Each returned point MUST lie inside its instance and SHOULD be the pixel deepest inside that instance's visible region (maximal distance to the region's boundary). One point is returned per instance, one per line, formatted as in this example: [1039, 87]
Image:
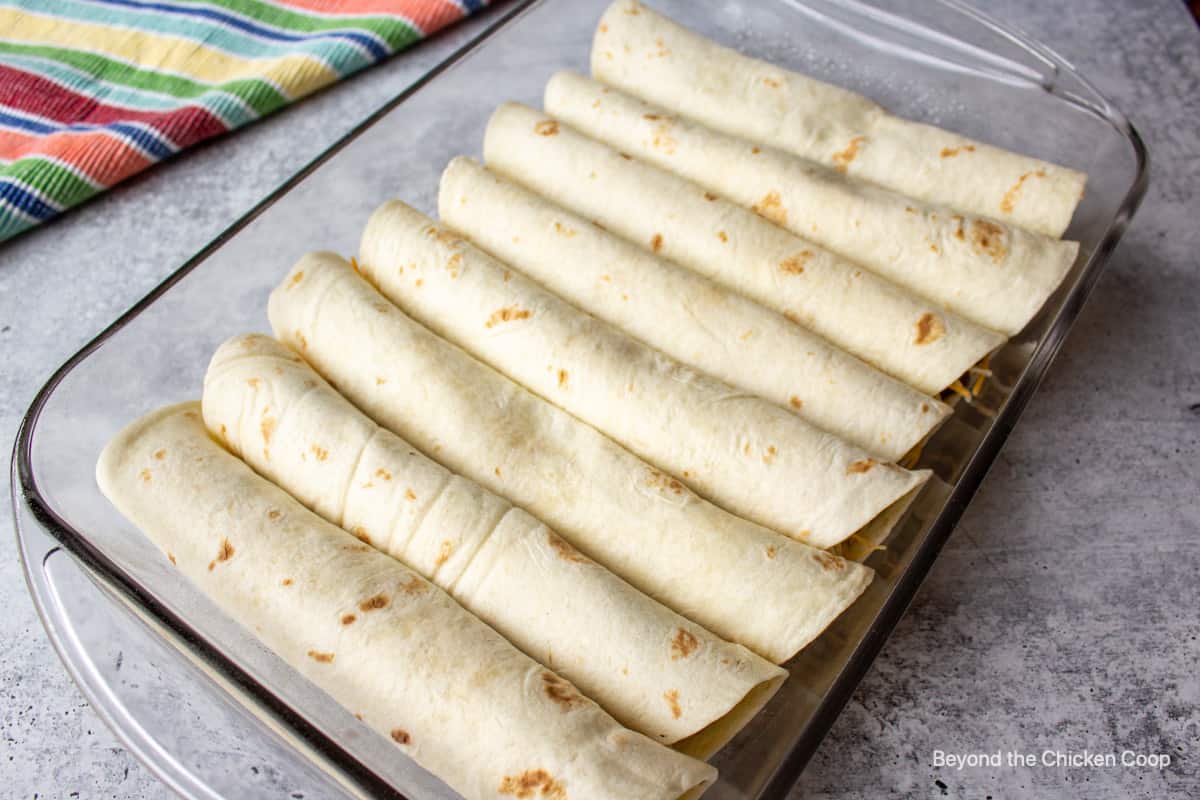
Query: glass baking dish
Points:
[214, 713]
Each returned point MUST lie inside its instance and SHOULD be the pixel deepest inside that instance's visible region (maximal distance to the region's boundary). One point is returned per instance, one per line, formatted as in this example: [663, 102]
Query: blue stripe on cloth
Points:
[15, 193]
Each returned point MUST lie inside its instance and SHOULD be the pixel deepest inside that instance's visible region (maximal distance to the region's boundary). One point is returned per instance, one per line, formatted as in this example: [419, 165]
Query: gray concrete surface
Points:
[1062, 616]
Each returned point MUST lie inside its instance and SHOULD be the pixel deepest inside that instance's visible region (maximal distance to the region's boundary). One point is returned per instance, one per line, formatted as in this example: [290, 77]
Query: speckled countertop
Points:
[1063, 615]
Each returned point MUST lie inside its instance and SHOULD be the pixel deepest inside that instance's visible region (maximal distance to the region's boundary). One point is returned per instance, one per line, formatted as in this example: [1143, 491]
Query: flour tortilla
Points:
[992, 273]
[885, 325]
[446, 688]
[685, 315]
[653, 670]
[745, 454]
[646, 54]
[737, 579]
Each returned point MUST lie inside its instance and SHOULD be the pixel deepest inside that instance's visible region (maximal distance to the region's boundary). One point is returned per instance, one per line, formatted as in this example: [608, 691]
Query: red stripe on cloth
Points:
[34, 94]
[100, 157]
[428, 15]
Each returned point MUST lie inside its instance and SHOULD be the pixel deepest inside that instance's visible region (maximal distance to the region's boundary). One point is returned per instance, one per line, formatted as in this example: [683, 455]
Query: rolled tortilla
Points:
[994, 274]
[739, 580]
[740, 451]
[907, 337]
[685, 315]
[646, 54]
[653, 670]
[447, 689]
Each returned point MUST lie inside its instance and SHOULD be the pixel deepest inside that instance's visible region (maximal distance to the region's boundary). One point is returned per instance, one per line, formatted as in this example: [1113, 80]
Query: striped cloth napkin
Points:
[93, 91]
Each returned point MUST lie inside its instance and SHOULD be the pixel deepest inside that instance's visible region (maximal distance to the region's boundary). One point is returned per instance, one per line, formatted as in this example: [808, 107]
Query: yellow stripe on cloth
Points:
[294, 75]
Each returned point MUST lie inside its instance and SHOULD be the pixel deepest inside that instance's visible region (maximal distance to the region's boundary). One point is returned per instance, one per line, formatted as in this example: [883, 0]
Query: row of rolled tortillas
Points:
[743, 582]
[646, 54]
[655, 671]
[906, 336]
[685, 315]
[418, 668]
[990, 272]
[742, 452]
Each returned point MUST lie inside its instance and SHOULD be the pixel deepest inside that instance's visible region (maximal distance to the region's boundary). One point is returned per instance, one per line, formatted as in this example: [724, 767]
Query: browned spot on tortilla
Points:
[772, 551]
[659, 480]
[303, 342]
[224, 431]
[930, 328]
[361, 534]
[453, 265]
[546, 127]
[842, 160]
[409, 494]
[320, 452]
[656, 242]
[274, 514]
[564, 230]
[507, 275]
[419, 282]
[286, 582]
[564, 550]
[709, 196]
[159, 455]
[795, 402]
[400, 736]
[380, 381]
[756, 150]
[358, 716]
[507, 314]
[653, 117]
[267, 426]
[562, 378]
[951, 152]
[771, 207]
[145, 475]
[324, 658]
[537, 782]
[374, 603]
[663, 140]
[1009, 201]
[672, 698]
[829, 561]
[348, 619]
[626, 156]
[414, 585]
[560, 691]
[769, 455]
[910, 209]
[774, 84]
[299, 276]
[723, 236]
[604, 27]
[935, 248]
[794, 265]
[224, 553]
[354, 265]
[171, 557]
[632, 9]
[383, 474]
[497, 471]
[861, 466]
[988, 239]
[683, 644]
[444, 552]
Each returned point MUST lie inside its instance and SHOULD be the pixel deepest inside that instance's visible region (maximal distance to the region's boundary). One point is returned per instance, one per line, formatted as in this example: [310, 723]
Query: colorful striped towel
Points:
[93, 91]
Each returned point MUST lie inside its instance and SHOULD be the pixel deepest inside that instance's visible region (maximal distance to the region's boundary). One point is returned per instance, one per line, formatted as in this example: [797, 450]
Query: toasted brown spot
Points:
[659, 480]
[145, 475]
[842, 160]
[409, 494]
[829, 561]
[497, 471]
[444, 552]
[400, 736]
[224, 553]
[772, 551]
[507, 314]
[988, 239]
[224, 431]
[358, 716]
[320, 452]
[795, 402]
[562, 378]
[755, 150]
[924, 408]
[299, 276]
[930, 328]
[683, 644]
[626, 156]
[564, 550]
[860, 466]
[254, 382]
[159, 455]
[383, 474]
[560, 691]
[419, 282]
[453, 265]
[380, 381]
[286, 582]
[656, 242]
[274, 514]
[301, 340]
[374, 603]
[361, 534]
[935, 248]
[564, 230]
[774, 84]
[710, 197]
[546, 127]
[604, 27]
[723, 236]
[354, 265]
[507, 275]
[324, 658]
[951, 152]
[171, 557]
[910, 209]
[672, 698]
[268, 427]
[794, 265]
[1009, 201]
[537, 782]
[348, 619]
[769, 455]
[663, 140]
[414, 585]
[771, 207]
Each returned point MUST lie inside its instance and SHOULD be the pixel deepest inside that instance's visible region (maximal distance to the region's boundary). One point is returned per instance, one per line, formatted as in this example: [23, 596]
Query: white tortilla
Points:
[739, 580]
[387, 645]
[686, 316]
[652, 669]
[745, 454]
[992, 273]
[885, 325]
[646, 54]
